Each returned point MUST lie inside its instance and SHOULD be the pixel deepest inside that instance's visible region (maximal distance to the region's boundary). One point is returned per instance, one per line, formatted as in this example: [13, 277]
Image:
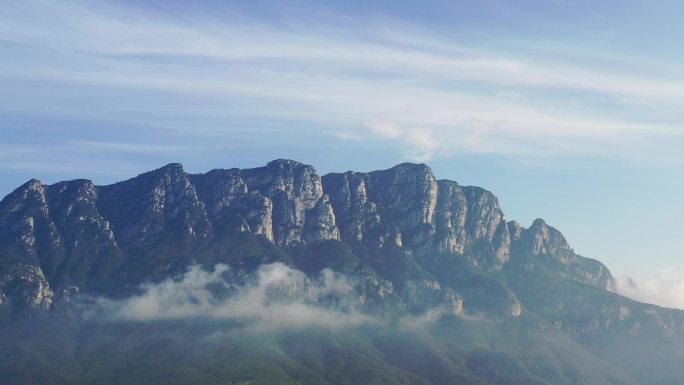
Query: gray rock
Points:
[78, 235]
[26, 286]
[544, 241]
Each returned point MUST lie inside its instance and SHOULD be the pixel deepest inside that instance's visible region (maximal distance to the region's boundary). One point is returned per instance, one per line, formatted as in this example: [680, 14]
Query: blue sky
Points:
[567, 110]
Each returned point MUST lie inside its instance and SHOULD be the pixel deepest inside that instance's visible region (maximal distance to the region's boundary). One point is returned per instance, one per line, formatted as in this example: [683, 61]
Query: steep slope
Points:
[498, 297]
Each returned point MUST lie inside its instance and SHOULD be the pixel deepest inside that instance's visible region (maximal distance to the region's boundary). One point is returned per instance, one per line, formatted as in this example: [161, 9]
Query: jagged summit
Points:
[285, 163]
[407, 243]
[159, 221]
[404, 205]
[168, 169]
[538, 222]
[410, 167]
[31, 184]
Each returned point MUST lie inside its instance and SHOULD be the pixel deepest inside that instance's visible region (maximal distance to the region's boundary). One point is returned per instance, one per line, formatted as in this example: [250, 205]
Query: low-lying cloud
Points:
[665, 287]
[276, 296]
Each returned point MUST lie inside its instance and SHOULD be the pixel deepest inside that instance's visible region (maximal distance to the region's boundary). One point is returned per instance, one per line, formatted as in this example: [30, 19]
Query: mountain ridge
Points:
[411, 245]
[286, 202]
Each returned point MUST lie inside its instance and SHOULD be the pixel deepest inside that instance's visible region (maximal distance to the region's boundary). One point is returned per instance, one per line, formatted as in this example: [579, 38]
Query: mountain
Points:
[439, 287]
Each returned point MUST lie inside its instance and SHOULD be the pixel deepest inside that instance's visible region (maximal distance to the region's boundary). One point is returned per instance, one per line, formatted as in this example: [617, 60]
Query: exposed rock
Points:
[356, 217]
[226, 196]
[26, 286]
[514, 309]
[543, 240]
[26, 230]
[453, 302]
[157, 223]
[153, 207]
[294, 189]
[405, 242]
[320, 222]
[409, 207]
[219, 189]
[258, 213]
[406, 197]
[515, 230]
[86, 236]
[450, 222]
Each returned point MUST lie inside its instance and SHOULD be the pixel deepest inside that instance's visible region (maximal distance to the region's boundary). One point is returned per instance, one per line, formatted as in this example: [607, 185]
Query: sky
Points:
[566, 110]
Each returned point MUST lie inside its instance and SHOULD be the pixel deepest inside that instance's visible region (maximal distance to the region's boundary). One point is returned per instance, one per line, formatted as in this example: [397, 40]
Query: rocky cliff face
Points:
[406, 206]
[155, 206]
[457, 289]
[74, 237]
[544, 241]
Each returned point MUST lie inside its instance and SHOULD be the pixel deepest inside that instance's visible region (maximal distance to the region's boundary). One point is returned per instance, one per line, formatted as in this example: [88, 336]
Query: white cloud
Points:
[665, 287]
[419, 140]
[422, 321]
[422, 139]
[127, 147]
[276, 297]
[385, 129]
[434, 96]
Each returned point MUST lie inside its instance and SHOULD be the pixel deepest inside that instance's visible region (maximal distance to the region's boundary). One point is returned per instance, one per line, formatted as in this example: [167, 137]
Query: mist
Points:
[275, 296]
[665, 287]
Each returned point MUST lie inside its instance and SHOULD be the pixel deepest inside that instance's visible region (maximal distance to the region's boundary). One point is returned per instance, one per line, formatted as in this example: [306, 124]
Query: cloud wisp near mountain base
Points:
[277, 274]
[370, 268]
[274, 297]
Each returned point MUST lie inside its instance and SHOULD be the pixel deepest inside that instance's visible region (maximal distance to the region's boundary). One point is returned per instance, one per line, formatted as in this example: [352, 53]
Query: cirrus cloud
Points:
[428, 94]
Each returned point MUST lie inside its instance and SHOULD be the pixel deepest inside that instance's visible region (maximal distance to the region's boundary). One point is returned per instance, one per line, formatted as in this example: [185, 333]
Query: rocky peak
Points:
[294, 189]
[289, 178]
[479, 220]
[25, 286]
[484, 213]
[282, 201]
[452, 210]
[170, 169]
[406, 200]
[78, 233]
[409, 188]
[153, 205]
[25, 224]
[86, 236]
[355, 215]
[227, 198]
[546, 240]
[219, 188]
[320, 222]
[29, 195]
[69, 197]
[409, 207]
[515, 230]
[547, 244]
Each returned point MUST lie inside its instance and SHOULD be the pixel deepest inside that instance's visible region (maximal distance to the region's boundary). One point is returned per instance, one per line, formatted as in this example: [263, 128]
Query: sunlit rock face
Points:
[153, 206]
[297, 195]
[282, 201]
[26, 287]
[544, 241]
[406, 206]
[396, 250]
[74, 237]
[227, 196]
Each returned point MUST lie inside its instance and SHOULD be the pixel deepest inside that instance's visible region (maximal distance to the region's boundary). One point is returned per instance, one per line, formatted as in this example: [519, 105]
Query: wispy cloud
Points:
[664, 287]
[128, 147]
[420, 140]
[276, 297]
[430, 95]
